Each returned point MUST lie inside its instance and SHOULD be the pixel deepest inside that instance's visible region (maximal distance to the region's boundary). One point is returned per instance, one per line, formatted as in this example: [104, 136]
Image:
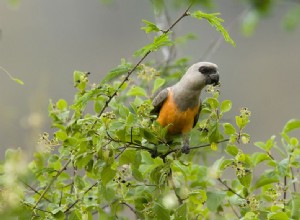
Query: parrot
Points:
[179, 105]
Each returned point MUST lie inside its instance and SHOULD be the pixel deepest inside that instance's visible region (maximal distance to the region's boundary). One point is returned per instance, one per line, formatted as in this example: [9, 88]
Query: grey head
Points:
[187, 90]
[199, 75]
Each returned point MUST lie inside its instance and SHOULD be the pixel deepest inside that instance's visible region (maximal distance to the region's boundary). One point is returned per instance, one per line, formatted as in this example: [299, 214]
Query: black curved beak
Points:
[212, 79]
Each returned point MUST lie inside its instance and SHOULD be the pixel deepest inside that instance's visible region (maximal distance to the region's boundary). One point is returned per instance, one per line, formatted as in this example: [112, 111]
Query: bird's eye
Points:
[205, 70]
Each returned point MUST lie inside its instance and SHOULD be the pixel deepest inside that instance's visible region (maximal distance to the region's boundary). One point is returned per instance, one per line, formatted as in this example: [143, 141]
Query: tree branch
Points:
[51, 182]
[77, 200]
[137, 64]
[229, 188]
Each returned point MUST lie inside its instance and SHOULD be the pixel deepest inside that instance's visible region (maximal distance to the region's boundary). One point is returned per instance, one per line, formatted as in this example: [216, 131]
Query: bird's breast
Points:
[179, 121]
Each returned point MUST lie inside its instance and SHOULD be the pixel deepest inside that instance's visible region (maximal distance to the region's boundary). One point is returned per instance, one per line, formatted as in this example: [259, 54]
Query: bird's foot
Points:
[185, 149]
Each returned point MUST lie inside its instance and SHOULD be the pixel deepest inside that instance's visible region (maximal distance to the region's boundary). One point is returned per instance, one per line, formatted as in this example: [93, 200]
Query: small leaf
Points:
[127, 157]
[61, 104]
[149, 27]
[161, 212]
[215, 22]
[250, 21]
[259, 157]
[296, 206]
[226, 106]
[107, 174]
[158, 42]
[266, 178]
[213, 102]
[232, 150]
[159, 82]
[10, 76]
[229, 129]
[292, 18]
[18, 81]
[214, 146]
[123, 68]
[241, 121]
[137, 91]
[61, 135]
[214, 200]
[181, 212]
[291, 125]
[79, 183]
[278, 216]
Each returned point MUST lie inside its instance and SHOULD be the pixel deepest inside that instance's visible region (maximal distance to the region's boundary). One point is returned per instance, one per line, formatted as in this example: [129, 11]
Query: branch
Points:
[136, 146]
[163, 156]
[137, 64]
[77, 200]
[206, 145]
[229, 188]
[34, 190]
[215, 44]
[51, 182]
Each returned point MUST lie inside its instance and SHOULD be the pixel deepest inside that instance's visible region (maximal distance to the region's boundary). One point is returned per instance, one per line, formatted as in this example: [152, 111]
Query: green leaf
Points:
[226, 106]
[241, 121]
[292, 18]
[266, 146]
[149, 27]
[213, 102]
[291, 125]
[259, 157]
[266, 178]
[137, 91]
[229, 129]
[158, 82]
[161, 212]
[158, 42]
[215, 22]
[278, 216]
[181, 212]
[232, 150]
[61, 104]
[107, 174]
[296, 206]
[9, 75]
[250, 21]
[61, 135]
[214, 200]
[79, 183]
[121, 69]
[246, 179]
[127, 157]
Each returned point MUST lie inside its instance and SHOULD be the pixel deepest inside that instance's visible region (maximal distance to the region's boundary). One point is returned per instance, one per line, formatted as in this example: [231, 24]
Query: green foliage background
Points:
[108, 154]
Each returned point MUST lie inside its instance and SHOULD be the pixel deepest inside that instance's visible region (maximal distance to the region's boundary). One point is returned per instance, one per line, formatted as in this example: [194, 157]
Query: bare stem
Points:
[51, 182]
[77, 200]
[229, 188]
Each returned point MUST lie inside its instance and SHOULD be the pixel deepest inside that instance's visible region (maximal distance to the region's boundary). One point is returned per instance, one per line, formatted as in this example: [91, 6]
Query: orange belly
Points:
[179, 122]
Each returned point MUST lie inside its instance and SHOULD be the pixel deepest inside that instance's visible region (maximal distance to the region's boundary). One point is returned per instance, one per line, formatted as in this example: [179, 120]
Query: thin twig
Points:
[42, 210]
[136, 146]
[186, 13]
[51, 182]
[293, 178]
[229, 188]
[34, 190]
[132, 209]
[136, 66]
[215, 44]
[191, 148]
[206, 145]
[77, 200]
[234, 211]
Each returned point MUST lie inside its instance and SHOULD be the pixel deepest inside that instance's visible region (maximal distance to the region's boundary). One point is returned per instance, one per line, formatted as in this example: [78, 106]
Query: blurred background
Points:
[43, 42]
